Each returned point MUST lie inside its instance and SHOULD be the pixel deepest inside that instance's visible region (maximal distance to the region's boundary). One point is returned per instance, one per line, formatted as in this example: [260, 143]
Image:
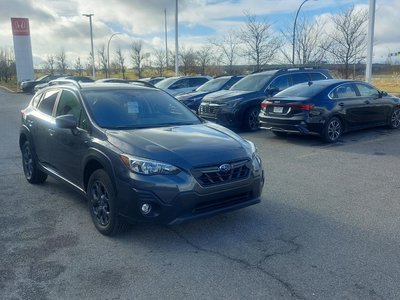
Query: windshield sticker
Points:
[133, 108]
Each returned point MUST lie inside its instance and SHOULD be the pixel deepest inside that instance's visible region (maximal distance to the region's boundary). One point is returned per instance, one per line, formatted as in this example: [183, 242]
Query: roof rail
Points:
[65, 81]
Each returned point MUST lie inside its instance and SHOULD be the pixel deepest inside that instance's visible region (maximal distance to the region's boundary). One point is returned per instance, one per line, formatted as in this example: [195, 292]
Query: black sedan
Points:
[137, 153]
[329, 108]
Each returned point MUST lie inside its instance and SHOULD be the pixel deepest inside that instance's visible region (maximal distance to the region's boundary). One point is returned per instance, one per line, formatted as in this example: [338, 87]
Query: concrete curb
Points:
[7, 89]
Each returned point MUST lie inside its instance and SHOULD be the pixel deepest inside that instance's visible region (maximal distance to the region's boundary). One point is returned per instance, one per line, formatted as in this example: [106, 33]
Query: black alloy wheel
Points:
[395, 118]
[102, 204]
[333, 130]
[32, 173]
[251, 120]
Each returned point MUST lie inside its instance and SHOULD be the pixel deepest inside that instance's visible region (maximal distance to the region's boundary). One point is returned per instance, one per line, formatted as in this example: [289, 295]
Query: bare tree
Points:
[204, 58]
[101, 52]
[7, 65]
[348, 40]
[228, 45]
[49, 64]
[121, 62]
[79, 66]
[188, 58]
[160, 61]
[137, 57]
[310, 42]
[62, 62]
[259, 41]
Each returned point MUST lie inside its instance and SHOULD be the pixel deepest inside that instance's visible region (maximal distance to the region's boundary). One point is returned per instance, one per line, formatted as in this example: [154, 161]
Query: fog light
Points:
[146, 208]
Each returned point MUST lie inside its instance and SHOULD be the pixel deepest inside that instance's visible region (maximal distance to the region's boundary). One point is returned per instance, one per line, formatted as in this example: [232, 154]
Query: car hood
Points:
[191, 95]
[226, 96]
[183, 146]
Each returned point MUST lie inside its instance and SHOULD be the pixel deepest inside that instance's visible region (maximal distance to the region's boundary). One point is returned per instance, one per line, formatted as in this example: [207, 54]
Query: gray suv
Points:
[137, 154]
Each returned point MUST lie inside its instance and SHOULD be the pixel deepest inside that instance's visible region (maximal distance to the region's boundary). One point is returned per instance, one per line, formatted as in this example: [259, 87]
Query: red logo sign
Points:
[20, 26]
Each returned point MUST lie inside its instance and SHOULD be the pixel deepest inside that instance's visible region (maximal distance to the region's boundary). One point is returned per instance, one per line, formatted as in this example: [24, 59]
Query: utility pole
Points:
[91, 41]
[166, 38]
[176, 40]
[371, 25]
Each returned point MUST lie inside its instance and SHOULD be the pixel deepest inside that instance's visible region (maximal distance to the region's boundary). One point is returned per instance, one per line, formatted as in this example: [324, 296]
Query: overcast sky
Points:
[59, 24]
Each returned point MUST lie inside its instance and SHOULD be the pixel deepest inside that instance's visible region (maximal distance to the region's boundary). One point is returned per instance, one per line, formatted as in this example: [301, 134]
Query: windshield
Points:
[136, 108]
[251, 83]
[213, 85]
[164, 84]
[302, 90]
[41, 78]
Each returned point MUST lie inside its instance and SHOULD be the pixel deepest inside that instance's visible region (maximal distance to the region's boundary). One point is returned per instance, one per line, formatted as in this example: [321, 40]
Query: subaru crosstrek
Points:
[137, 153]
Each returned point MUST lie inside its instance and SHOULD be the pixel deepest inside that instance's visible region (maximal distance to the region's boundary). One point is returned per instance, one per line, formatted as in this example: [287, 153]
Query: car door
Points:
[378, 107]
[70, 145]
[349, 104]
[43, 124]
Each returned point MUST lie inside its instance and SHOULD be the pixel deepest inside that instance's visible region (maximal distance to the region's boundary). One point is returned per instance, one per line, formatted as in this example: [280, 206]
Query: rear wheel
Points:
[251, 121]
[395, 118]
[333, 130]
[29, 163]
[102, 203]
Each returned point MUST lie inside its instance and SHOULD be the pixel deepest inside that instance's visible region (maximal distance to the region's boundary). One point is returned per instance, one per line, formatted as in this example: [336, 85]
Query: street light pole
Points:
[166, 38]
[108, 52]
[176, 40]
[371, 25]
[91, 41]
[294, 30]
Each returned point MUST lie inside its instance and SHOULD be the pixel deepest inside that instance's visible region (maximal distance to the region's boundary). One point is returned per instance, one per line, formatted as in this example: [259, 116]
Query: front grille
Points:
[213, 175]
[221, 203]
[209, 109]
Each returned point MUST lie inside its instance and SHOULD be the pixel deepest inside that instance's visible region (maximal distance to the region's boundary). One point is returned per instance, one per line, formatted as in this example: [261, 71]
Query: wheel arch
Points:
[97, 160]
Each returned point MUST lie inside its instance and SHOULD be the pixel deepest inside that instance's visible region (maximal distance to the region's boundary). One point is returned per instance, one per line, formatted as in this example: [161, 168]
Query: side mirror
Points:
[382, 94]
[271, 91]
[66, 121]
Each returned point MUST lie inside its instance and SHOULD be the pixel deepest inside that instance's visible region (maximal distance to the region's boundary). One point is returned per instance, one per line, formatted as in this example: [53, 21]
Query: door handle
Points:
[367, 102]
[341, 104]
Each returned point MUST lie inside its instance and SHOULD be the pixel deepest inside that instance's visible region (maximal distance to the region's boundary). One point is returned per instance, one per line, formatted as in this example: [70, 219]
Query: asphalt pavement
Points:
[328, 227]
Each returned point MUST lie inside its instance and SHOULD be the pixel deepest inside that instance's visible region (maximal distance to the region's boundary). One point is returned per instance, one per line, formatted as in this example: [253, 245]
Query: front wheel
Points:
[102, 204]
[333, 130]
[251, 121]
[31, 171]
[395, 118]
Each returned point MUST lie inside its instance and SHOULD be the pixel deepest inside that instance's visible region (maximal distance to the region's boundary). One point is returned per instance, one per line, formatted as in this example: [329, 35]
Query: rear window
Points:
[302, 90]
[134, 108]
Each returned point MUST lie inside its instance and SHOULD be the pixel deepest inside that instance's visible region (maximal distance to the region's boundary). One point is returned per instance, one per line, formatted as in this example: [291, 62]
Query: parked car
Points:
[137, 153]
[62, 80]
[29, 85]
[183, 84]
[240, 105]
[193, 99]
[329, 108]
[152, 80]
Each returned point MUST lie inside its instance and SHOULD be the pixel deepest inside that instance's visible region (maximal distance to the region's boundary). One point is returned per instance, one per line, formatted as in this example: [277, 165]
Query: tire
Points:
[102, 204]
[395, 118]
[251, 121]
[279, 133]
[333, 130]
[32, 173]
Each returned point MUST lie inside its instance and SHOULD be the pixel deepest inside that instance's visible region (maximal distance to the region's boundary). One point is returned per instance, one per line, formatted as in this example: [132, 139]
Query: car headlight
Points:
[148, 167]
[255, 157]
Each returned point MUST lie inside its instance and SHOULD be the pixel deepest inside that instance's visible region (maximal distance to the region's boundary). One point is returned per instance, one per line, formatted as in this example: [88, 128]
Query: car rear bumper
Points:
[302, 126]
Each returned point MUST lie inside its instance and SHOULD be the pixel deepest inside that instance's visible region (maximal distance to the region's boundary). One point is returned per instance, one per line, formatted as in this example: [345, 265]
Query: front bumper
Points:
[172, 202]
[221, 114]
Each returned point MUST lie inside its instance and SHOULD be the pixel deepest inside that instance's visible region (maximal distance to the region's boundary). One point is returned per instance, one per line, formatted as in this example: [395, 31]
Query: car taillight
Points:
[265, 104]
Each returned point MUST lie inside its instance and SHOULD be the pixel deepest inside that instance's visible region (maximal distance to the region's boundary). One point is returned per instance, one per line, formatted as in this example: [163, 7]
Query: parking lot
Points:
[328, 227]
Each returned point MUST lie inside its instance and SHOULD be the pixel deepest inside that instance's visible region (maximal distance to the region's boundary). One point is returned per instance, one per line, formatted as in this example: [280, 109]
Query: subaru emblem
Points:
[225, 168]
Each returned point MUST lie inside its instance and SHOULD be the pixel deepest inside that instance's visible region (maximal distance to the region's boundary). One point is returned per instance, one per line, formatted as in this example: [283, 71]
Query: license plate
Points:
[278, 109]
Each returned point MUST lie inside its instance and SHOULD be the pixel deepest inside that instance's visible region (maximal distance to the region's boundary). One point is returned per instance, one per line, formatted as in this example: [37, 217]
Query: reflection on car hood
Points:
[225, 96]
[191, 95]
[184, 146]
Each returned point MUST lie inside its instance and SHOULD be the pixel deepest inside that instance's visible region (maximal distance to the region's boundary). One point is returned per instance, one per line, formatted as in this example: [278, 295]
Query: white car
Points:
[182, 84]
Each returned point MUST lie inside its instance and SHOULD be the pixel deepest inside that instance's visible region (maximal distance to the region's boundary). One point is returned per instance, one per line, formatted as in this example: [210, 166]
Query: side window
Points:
[68, 105]
[197, 81]
[47, 103]
[36, 100]
[300, 78]
[231, 82]
[180, 84]
[343, 91]
[279, 84]
[317, 76]
[367, 91]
